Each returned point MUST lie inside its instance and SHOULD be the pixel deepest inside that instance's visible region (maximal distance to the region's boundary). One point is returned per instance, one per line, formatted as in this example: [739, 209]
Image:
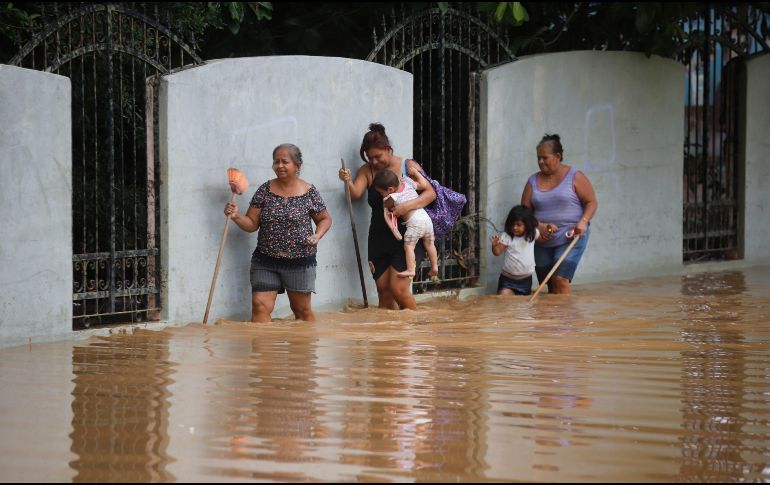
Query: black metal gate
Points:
[722, 37]
[112, 54]
[445, 50]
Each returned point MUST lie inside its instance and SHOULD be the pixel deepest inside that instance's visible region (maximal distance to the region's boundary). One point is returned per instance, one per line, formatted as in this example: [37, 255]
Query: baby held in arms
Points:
[418, 223]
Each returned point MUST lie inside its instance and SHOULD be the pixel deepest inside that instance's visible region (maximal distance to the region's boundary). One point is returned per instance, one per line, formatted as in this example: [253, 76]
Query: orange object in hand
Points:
[238, 182]
[238, 185]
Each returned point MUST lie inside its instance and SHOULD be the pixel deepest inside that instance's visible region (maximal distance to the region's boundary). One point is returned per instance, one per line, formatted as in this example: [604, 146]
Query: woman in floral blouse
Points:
[285, 257]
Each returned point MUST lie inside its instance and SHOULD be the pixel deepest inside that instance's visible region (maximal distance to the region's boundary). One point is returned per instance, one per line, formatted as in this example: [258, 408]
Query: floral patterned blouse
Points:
[285, 222]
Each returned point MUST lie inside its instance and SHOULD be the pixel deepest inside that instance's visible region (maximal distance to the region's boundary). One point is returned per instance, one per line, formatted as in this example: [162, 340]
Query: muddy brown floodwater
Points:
[656, 379]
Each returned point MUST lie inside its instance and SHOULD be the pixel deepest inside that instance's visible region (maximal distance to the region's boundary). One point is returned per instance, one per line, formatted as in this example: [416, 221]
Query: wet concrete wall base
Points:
[233, 113]
[35, 206]
[620, 119]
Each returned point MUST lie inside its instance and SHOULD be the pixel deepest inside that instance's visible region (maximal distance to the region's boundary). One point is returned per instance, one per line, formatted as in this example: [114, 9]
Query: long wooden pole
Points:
[355, 240]
[555, 266]
[219, 260]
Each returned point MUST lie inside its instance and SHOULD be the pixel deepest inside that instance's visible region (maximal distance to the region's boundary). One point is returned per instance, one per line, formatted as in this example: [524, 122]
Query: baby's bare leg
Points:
[432, 256]
[410, 266]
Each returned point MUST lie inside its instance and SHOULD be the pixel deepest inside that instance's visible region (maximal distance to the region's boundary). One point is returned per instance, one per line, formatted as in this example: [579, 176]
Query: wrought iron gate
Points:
[722, 37]
[445, 51]
[112, 54]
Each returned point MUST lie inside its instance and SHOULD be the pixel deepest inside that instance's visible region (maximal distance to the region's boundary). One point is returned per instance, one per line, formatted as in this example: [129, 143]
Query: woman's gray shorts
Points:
[268, 275]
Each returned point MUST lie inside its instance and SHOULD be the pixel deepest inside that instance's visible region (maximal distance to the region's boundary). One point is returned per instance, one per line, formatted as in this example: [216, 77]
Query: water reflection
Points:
[120, 409]
[272, 410]
[660, 379]
[414, 409]
[715, 410]
[284, 395]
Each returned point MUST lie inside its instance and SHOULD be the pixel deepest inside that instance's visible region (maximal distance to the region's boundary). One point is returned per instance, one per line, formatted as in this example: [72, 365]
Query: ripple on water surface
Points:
[660, 379]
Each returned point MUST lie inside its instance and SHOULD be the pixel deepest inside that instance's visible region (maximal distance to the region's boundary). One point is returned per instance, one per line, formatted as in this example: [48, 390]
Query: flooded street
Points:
[656, 379]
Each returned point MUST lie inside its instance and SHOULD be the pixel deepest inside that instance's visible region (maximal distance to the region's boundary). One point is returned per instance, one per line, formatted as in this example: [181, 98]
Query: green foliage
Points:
[262, 10]
[512, 13]
[650, 27]
[505, 13]
[14, 20]
[199, 17]
[344, 29]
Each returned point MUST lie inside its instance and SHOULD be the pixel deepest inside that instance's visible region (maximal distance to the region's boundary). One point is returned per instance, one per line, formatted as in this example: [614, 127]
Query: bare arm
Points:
[249, 222]
[585, 192]
[421, 182]
[498, 247]
[423, 200]
[526, 196]
[358, 185]
[546, 229]
[323, 221]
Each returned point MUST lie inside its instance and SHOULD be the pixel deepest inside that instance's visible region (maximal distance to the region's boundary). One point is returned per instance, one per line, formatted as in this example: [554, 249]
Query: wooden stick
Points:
[219, 260]
[355, 240]
[555, 266]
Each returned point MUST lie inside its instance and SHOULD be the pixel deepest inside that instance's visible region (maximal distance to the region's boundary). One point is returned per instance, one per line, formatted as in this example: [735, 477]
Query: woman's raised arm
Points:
[360, 184]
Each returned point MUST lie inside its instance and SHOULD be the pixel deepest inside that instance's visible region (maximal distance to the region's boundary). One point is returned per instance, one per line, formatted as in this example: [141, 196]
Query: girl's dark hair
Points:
[523, 214]
[374, 138]
[384, 179]
[555, 142]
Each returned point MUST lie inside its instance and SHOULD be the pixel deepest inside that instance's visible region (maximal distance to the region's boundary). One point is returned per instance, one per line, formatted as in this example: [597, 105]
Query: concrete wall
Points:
[756, 151]
[35, 206]
[620, 118]
[233, 113]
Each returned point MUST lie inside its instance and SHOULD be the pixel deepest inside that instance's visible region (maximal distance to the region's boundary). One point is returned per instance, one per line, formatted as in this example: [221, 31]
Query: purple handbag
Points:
[446, 209]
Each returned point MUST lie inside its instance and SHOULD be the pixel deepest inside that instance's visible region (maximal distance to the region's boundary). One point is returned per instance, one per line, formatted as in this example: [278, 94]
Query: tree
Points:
[344, 29]
[659, 28]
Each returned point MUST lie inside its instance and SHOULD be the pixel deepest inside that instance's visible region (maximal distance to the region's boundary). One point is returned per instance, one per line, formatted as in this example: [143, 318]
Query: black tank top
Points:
[381, 240]
[378, 228]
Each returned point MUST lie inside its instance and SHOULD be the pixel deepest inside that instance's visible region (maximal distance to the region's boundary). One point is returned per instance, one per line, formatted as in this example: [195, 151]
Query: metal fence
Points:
[445, 50]
[112, 54]
[721, 39]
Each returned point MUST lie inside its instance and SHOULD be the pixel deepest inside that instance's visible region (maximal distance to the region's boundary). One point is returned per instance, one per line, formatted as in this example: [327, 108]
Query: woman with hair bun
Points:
[385, 252]
[564, 203]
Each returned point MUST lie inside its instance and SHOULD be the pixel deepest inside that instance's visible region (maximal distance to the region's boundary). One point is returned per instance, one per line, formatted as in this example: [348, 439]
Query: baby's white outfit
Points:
[418, 226]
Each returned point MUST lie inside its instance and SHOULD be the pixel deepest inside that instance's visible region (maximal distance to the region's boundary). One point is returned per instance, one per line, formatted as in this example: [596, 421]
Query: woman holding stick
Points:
[564, 202]
[385, 252]
[283, 209]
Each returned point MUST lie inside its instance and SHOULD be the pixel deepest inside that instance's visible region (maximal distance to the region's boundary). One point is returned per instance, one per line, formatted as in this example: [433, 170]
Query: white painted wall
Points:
[620, 118]
[757, 160]
[233, 113]
[35, 207]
